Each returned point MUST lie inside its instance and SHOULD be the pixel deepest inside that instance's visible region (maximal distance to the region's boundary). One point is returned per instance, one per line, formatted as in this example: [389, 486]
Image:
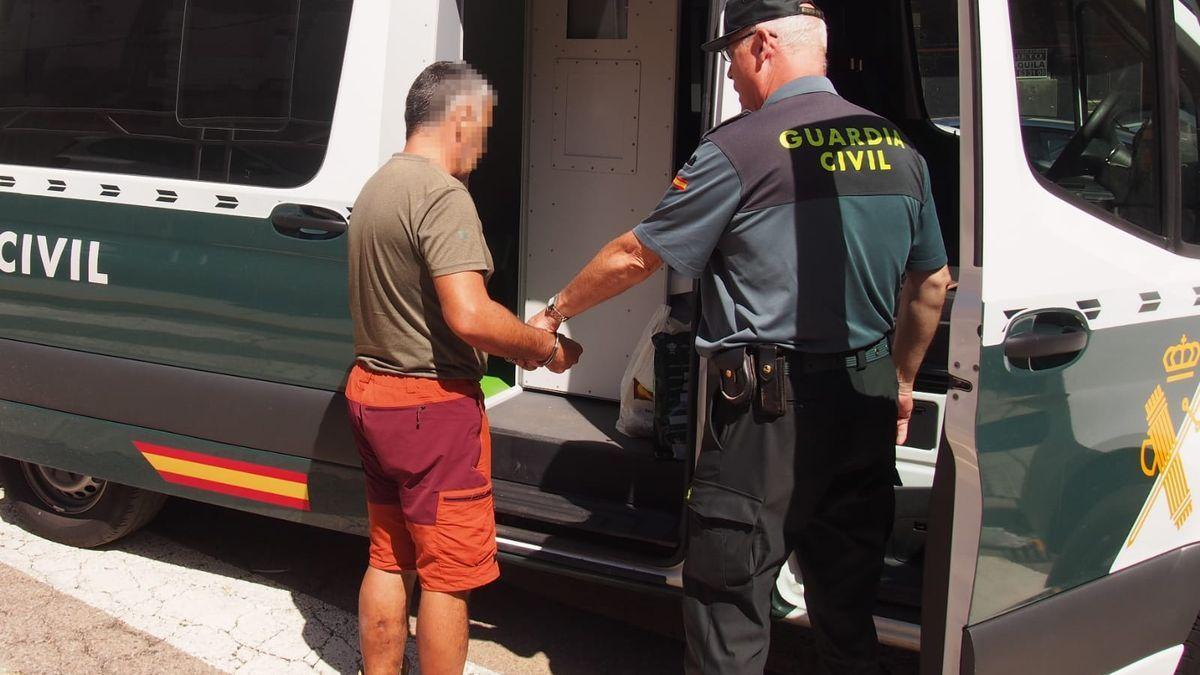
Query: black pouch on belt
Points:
[735, 376]
[770, 398]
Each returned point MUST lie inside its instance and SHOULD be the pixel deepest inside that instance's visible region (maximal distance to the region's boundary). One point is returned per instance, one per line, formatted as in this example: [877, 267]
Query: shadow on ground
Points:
[530, 622]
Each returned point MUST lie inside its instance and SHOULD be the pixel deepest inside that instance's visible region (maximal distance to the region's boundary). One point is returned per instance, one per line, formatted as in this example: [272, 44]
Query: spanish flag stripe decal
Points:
[235, 465]
[234, 491]
[227, 476]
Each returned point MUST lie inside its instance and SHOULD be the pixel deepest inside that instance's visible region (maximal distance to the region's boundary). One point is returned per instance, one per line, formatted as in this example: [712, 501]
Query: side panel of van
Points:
[171, 256]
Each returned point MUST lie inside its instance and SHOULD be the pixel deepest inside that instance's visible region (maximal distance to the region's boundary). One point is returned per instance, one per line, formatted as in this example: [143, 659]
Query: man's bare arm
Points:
[622, 264]
[485, 324]
[921, 300]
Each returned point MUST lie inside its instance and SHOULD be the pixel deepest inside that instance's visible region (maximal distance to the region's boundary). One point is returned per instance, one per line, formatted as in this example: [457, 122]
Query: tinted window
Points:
[935, 26]
[238, 60]
[597, 19]
[1086, 86]
[95, 85]
[1188, 34]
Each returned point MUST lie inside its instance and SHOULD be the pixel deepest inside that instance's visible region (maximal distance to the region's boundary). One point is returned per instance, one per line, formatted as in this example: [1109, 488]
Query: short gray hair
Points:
[800, 33]
[439, 89]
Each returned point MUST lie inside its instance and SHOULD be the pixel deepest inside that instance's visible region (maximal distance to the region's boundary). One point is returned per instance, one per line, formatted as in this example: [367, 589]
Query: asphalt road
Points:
[244, 593]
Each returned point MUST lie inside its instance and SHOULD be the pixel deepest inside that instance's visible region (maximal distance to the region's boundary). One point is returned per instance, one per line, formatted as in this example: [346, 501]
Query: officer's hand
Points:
[568, 355]
[904, 410]
[545, 322]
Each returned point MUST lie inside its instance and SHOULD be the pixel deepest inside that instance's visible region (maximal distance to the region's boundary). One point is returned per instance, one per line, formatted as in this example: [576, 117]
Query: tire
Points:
[1190, 663]
[72, 509]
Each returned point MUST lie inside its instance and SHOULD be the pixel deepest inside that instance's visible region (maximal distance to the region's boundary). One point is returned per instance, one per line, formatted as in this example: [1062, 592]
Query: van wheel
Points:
[74, 509]
[1190, 663]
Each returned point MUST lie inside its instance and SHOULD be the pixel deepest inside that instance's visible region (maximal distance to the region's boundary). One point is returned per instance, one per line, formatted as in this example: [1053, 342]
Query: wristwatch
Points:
[552, 311]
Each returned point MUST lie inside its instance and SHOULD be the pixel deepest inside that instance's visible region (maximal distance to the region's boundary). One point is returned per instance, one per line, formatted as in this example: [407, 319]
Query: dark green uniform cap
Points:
[742, 15]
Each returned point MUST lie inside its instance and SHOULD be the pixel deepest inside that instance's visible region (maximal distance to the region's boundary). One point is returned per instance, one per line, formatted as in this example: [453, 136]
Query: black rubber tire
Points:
[1190, 663]
[120, 511]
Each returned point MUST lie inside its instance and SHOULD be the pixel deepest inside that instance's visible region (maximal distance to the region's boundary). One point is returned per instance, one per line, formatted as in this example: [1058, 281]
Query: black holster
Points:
[734, 371]
[770, 400]
[753, 376]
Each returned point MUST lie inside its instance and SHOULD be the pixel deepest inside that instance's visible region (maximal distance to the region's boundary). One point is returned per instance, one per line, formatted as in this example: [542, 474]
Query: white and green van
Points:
[176, 178]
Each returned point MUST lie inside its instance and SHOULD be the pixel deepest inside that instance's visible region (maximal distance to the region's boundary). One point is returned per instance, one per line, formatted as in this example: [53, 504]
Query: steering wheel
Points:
[1101, 120]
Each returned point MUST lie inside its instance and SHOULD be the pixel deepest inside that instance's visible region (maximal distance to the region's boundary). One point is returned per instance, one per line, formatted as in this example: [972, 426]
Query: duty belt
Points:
[804, 362]
[759, 373]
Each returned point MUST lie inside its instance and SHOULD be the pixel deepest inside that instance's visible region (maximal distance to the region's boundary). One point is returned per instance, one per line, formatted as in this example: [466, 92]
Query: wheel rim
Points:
[63, 491]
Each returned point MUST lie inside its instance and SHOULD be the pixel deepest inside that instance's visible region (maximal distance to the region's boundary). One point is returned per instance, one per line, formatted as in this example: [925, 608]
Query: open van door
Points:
[1070, 542]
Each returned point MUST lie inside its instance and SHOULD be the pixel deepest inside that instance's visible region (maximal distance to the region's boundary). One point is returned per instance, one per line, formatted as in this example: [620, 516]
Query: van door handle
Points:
[312, 223]
[1045, 339]
[1032, 346]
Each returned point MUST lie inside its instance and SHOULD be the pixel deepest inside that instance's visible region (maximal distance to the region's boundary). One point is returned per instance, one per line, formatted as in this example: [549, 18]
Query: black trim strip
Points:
[977, 131]
[1171, 166]
[282, 418]
[1088, 629]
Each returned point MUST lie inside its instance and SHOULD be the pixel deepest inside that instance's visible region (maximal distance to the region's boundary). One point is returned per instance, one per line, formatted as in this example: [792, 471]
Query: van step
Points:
[615, 520]
[570, 446]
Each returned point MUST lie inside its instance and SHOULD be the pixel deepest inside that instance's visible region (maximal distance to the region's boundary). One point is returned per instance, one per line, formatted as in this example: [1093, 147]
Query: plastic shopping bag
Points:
[637, 385]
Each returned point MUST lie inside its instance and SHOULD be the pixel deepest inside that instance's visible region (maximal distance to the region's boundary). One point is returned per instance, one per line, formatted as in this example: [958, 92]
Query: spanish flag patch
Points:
[680, 183]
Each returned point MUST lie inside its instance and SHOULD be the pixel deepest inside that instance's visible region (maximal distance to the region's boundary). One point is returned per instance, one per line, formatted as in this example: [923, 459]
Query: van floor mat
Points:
[620, 521]
[570, 446]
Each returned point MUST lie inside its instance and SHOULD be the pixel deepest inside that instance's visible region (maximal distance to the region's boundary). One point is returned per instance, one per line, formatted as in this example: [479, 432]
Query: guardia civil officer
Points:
[806, 220]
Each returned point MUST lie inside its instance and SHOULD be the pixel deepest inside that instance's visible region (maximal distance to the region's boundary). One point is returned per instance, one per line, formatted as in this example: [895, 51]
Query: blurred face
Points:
[466, 134]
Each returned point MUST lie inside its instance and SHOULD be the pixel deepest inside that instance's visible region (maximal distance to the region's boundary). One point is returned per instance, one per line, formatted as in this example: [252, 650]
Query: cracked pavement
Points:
[205, 589]
[85, 639]
[222, 617]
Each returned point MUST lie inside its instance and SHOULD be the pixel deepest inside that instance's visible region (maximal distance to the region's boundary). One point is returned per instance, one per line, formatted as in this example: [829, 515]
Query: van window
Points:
[1188, 36]
[94, 85]
[597, 19]
[935, 28]
[236, 64]
[1086, 87]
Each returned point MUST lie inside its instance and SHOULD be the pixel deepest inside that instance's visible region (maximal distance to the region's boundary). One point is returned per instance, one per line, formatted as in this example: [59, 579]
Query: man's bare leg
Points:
[383, 619]
[442, 632]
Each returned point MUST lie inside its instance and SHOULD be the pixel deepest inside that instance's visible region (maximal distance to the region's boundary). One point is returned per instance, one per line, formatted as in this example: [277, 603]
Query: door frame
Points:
[956, 505]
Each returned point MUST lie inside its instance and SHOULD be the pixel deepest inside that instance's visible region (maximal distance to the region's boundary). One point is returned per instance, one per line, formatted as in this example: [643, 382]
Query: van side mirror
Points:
[236, 65]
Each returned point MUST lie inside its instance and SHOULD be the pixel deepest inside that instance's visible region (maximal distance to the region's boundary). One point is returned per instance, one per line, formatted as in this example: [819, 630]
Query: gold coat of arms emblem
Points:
[1160, 454]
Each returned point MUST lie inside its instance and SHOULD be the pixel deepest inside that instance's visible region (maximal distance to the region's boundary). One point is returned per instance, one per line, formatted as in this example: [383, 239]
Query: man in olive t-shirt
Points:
[413, 222]
[423, 324]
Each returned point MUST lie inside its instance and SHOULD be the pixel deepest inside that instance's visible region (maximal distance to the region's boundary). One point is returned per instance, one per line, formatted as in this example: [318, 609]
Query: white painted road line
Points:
[236, 621]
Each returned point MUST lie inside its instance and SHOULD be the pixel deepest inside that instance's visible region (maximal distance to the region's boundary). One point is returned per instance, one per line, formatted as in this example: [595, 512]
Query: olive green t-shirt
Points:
[412, 222]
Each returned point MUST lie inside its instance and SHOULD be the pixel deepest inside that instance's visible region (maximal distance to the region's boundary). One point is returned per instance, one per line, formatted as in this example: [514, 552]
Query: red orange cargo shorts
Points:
[427, 455]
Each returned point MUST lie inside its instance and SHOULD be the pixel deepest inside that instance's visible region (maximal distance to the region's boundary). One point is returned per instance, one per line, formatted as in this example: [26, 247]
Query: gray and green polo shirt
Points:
[799, 219]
